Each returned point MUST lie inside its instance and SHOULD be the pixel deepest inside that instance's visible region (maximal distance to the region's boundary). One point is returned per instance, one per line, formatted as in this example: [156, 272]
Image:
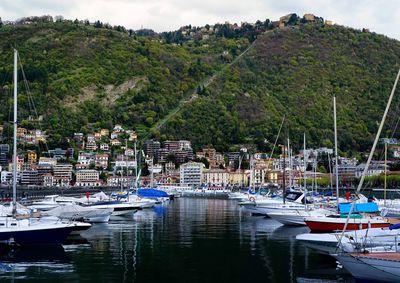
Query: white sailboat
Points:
[373, 266]
[29, 231]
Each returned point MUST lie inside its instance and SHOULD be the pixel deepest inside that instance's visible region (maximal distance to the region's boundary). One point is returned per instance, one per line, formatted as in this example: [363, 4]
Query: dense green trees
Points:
[83, 77]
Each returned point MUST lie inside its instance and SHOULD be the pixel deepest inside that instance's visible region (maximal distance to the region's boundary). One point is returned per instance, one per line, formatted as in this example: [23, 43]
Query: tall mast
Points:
[284, 173]
[14, 199]
[151, 174]
[305, 167]
[336, 154]
[290, 162]
[371, 152]
[384, 190]
[136, 167]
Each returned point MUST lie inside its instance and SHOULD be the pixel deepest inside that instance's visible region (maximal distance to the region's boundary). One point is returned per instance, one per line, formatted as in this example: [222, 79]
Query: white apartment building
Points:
[191, 173]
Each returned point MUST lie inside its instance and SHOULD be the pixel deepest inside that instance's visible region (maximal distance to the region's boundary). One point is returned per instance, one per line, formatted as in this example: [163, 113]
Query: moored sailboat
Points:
[29, 231]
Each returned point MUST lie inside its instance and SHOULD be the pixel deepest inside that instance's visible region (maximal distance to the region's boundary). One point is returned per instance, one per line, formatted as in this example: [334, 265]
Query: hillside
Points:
[214, 90]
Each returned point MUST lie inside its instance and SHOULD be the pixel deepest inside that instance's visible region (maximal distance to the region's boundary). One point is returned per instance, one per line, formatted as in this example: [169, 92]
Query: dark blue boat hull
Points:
[38, 237]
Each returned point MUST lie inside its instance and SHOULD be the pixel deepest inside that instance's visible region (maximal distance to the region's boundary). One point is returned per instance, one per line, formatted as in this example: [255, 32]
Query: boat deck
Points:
[394, 256]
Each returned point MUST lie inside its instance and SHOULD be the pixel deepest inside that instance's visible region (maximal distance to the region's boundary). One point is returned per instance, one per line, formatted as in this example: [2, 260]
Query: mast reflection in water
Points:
[188, 240]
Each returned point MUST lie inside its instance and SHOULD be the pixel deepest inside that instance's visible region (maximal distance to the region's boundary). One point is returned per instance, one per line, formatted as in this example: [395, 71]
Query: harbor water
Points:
[187, 240]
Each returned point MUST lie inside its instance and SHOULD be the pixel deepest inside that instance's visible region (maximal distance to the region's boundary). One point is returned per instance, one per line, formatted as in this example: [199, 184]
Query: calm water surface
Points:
[188, 240]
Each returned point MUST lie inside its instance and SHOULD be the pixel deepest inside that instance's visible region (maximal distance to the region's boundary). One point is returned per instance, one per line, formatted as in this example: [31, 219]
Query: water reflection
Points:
[189, 240]
[37, 263]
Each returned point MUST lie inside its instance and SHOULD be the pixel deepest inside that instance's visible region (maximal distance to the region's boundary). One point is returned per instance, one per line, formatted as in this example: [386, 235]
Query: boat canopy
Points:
[151, 193]
[368, 207]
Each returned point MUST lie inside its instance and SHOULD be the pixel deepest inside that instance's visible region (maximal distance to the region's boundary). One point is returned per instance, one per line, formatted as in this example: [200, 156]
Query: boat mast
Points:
[136, 167]
[290, 162]
[14, 199]
[384, 188]
[305, 168]
[284, 173]
[336, 154]
[371, 154]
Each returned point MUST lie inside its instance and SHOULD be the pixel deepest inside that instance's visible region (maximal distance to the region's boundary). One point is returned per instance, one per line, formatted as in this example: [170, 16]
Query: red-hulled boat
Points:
[323, 224]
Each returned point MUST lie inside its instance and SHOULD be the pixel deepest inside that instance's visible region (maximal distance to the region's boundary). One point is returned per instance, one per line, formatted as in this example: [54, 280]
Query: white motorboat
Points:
[328, 242]
[49, 202]
[372, 266]
[119, 208]
[80, 213]
[296, 217]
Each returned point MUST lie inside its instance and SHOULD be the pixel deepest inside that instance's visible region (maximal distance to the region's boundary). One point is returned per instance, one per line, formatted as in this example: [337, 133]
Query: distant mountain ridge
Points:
[222, 85]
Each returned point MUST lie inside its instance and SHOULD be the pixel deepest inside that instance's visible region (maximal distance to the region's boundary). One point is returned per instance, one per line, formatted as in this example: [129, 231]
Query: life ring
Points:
[252, 199]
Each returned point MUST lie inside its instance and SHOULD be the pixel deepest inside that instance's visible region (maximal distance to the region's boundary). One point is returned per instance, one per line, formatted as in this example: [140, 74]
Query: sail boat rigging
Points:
[30, 231]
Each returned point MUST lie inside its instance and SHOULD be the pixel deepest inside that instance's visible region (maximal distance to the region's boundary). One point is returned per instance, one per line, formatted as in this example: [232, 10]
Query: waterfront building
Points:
[62, 174]
[30, 178]
[191, 173]
[216, 177]
[87, 178]
[238, 178]
[120, 181]
[48, 180]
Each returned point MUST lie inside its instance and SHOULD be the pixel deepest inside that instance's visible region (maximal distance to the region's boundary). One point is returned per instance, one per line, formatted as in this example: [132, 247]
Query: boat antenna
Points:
[14, 198]
[371, 153]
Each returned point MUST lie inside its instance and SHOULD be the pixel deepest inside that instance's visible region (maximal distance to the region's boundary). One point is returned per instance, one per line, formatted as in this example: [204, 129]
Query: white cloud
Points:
[382, 16]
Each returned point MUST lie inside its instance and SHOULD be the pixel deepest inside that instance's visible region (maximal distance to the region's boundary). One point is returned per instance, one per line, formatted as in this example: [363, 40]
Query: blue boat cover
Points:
[368, 207]
[151, 193]
[394, 226]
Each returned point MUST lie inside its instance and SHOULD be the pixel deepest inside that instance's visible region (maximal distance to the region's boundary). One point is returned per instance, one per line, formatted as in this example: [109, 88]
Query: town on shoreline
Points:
[110, 159]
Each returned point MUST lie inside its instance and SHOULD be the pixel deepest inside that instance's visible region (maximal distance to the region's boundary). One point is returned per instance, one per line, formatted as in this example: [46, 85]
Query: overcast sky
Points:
[381, 16]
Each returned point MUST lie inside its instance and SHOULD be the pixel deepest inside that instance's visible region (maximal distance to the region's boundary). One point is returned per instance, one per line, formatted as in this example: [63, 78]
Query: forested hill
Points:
[217, 85]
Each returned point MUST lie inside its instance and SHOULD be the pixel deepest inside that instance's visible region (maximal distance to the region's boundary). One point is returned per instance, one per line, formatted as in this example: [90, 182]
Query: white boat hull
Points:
[371, 269]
